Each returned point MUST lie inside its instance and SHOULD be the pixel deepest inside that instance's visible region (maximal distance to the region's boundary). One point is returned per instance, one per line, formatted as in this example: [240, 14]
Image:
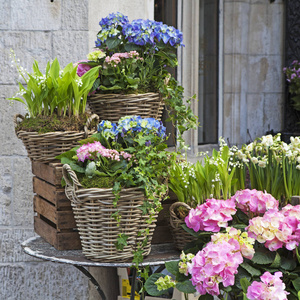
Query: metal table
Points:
[39, 248]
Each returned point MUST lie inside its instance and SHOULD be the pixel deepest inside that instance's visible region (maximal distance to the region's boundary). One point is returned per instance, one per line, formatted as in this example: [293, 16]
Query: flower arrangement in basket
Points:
[134, 59]
[116, 180]
[247, 248]
[217, 175]
[293, 78]
[56, 105]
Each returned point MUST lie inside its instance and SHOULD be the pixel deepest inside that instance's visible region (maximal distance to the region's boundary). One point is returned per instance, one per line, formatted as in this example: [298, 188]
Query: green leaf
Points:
[277, 261]
[288, 264]
[172, 267]
[263, 256]
[112, 43]
[151, 287]
[206, 297]
[189, 230]
[251, 270]
[244, 284]
[296, 284]
[185, 287]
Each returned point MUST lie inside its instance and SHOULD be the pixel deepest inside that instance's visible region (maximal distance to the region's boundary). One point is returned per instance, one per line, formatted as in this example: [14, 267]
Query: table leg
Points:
[133, 283]
[93, 280]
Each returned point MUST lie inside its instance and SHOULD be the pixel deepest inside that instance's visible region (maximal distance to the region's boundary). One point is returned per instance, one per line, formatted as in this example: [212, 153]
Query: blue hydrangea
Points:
[108, 129]
[142, 32]
[109, 27]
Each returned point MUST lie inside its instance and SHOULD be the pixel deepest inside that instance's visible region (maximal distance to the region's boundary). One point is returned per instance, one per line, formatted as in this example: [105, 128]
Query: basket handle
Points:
[16, 119]
[69, 173]
[172, 211]
[88, 123]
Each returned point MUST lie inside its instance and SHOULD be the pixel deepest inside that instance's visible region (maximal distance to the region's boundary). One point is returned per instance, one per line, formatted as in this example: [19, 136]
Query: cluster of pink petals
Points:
[211, 216]
[116, 57]
[245, 243]
[89, 152]
[215, 263]
[82, 68]
[271, 287]
[276, 229]
[256, 202]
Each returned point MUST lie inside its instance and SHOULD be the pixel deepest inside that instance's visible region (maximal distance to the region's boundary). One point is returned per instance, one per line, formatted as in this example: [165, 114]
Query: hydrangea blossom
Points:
[276, 229]
[215, 263]
[256, 202]
[116, 58]
[211, 216]
[245, 242]
[142, 32]
[271, 287]
[82, 68]
[109, 27]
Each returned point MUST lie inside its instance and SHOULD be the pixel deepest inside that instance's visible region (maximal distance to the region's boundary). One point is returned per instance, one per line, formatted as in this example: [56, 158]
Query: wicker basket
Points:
[46, 146]
[112, 107]
[180, 236]
[98, 230]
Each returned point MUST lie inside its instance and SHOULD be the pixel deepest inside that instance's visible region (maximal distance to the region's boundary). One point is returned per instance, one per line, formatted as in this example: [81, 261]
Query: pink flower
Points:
[215, 263]
[211, 216]
[254, 201]
[82, 68]
[271, 287]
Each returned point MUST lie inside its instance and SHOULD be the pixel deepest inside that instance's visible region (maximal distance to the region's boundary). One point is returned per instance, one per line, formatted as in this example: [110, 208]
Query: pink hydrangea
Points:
[256, 202]
[211, 216]
[215, 263]
[82, 68]
[276, 229]
[271, 287]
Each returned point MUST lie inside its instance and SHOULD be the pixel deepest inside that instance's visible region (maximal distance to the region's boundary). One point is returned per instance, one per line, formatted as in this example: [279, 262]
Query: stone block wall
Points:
[253, 62]
[40, 30]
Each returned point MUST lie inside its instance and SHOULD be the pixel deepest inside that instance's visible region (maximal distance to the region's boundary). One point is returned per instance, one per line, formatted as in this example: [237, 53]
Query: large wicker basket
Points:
[98, 230]
[180, 237]
[112, 107]
[46, 146]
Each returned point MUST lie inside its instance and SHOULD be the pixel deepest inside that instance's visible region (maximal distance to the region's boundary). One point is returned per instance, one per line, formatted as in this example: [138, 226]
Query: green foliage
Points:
[57, 91]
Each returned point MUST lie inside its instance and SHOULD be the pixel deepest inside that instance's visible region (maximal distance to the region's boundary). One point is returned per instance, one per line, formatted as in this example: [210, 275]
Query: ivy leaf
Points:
[121, 241]
[185, 287]
[151, 287]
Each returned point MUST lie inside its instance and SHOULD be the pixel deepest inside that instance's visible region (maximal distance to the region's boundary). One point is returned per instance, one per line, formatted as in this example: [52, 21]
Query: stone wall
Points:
[253, 61]
[41, 30]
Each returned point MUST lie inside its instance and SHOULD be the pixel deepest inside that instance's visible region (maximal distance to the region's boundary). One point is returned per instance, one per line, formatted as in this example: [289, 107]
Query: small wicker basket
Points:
[180, 236]
[98, 230]
[112, 107]
[46, 146]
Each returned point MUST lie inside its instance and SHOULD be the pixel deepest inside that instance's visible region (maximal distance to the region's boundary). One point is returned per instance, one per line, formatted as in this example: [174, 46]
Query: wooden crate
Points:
[54, 220]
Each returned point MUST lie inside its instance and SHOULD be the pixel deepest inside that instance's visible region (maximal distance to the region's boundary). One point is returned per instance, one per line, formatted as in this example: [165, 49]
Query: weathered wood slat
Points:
[60, 240]
[51, 172]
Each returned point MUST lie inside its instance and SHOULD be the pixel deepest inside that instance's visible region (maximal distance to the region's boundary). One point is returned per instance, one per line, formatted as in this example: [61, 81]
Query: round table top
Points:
[39, 248]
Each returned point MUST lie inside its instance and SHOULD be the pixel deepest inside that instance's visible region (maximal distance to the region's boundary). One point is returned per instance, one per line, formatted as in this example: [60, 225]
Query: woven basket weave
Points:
[98, 230]
[180, 236]
[112, 107]
[46, 146]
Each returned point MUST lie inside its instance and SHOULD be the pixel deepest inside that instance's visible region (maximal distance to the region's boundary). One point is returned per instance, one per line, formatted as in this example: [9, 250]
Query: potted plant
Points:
[135, 59]
[56, 105]
[116, 180]
[247, 248]
[218, 175]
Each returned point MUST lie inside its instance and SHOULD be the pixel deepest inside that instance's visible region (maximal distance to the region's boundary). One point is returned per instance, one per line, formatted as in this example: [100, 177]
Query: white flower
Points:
[254, 160]
[267, 140]
[262, 164]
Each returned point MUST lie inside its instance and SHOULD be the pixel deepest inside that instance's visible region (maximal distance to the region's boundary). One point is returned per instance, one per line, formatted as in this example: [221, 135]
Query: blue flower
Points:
[108, 129]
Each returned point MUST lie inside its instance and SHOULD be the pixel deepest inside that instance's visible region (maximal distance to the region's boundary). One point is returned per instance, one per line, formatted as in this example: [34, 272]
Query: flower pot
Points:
[112, 107]
[98, 230]
[46, 146]
[180, 236]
